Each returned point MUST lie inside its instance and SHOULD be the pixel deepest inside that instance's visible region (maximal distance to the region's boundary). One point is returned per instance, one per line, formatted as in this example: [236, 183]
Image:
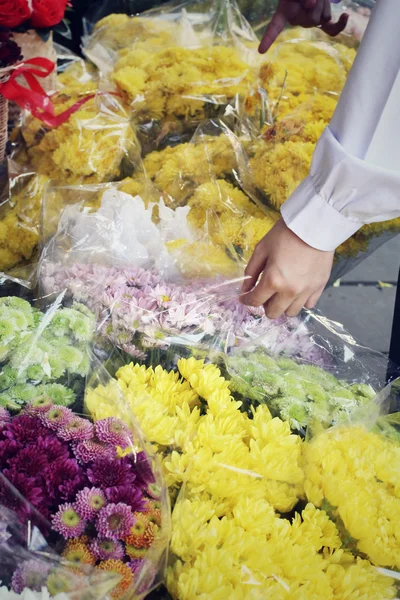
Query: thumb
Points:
[334, 29]
[275, 27]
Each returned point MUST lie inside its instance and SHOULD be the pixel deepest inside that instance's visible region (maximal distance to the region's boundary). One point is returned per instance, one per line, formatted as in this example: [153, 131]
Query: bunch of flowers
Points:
[91, 483]
[39, 351]
[19, 224]
[242, 474]
[362, 495]
[139, 310]
[210, 176]
[39, 14]
[184, 83]
[90, 146]
[297, 393]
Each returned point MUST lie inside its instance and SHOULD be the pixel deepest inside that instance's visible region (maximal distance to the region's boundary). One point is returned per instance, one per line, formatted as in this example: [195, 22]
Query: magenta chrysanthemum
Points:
[89, 502]
[128, 494]
[115, 521]
[32, 574]
[56, 417]
[25, 429]
[39, 405]
[142, 468]
[77, 429]
[111, 473]
[113, 431]
[64, 478]
[105, 549]
[90, 450]
[30, 460]
[67, 521]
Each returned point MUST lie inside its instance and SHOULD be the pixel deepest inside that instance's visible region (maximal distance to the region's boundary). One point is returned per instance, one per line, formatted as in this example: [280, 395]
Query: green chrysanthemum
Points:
[8, 378]
[35, 373]
[70, 356]
[6, 401]
[60, 394]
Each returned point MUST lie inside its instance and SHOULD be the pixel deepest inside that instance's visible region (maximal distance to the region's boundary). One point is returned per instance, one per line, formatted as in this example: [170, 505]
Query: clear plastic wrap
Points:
[87, 498]
[177, 65]
[98, 143]
[247, 517]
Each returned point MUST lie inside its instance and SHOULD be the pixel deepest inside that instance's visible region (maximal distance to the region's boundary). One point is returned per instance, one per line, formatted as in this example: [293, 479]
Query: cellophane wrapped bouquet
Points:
[219, 128]
[235, 406]
[259, 509]
[83, 510]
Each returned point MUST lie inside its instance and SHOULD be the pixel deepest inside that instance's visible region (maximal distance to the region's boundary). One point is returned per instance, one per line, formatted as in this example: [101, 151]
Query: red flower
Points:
[14, 12]
[47, 13]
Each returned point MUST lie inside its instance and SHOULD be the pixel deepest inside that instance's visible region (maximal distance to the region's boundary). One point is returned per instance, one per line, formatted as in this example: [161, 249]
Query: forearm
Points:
[349, 183]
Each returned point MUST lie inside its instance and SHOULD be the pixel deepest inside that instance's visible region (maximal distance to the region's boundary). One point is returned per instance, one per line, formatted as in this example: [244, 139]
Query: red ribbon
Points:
[34, 98]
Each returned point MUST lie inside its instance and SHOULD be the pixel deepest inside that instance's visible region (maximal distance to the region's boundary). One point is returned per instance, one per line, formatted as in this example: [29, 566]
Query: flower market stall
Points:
[159, 439]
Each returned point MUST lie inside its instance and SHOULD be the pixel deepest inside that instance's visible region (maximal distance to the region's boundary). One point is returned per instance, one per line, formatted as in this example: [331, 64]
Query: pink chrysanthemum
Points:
[31, 574]
[89, 502]
[77, 430]
[113, 431]
[4, 416]
[41, 404]
[67, 521]
[115, 521]
[105, 549]
[56, 417]
[90, 450]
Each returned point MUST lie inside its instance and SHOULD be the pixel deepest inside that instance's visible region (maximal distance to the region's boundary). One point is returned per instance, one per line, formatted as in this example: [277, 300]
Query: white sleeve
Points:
[355, 171]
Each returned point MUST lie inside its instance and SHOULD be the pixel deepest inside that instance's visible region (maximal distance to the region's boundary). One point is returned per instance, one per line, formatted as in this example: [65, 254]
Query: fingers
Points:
[326, 12]
[278, 304]
[263, 291]
[313, 299]
[296, 306]
[316, 13]
[275, 27]
[252, 271]
[333, 29]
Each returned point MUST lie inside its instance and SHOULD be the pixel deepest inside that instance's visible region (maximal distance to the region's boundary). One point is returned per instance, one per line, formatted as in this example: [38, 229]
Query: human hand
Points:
[305, 13]
[293, 273]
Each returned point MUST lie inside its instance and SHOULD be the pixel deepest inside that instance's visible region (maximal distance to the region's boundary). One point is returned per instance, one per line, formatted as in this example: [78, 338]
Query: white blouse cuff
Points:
[315, 221]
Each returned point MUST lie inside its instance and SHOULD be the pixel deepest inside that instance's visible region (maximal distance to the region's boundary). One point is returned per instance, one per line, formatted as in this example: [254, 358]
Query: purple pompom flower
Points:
[53, 448]
[89, 502]
[113, 431]
[67, 521]
[64, 478]
[56, 417]
[41, 404]
[130, 495]
[105, 549]
[30, 460]
[77, 430]
[31, 574]
[90, 450]
[111, 473]
[142, 468]
[115, 521]
[25, 429]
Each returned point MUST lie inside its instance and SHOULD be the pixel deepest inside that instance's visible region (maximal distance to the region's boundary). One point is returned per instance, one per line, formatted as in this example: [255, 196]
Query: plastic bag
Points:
[127, 270]
[177, 65]
[242, 517]
[89, 495]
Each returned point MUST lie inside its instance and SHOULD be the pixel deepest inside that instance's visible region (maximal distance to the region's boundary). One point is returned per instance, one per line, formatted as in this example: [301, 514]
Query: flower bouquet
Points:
[250, 512]
[92, 490]
[177, 65]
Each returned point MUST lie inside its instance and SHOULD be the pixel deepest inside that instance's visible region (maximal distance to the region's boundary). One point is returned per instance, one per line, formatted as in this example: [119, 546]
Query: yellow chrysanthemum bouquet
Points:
[252, 516]
[177, 66]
